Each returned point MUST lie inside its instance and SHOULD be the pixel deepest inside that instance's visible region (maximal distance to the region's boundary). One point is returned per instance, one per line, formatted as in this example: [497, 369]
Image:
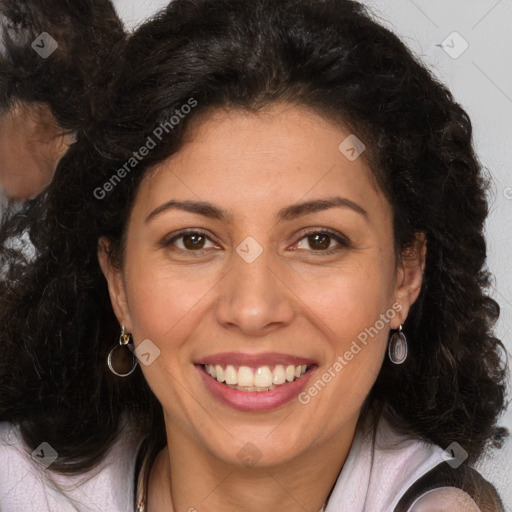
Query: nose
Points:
[255, 298]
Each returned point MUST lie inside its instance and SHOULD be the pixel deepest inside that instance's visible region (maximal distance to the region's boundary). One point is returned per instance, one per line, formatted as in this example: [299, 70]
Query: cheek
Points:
[349, 299]
[155, 302]
[165, 301]
[161, 309]
[354, 309]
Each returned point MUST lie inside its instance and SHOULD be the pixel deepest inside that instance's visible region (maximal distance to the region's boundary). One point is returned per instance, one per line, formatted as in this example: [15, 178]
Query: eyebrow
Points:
[288, 213]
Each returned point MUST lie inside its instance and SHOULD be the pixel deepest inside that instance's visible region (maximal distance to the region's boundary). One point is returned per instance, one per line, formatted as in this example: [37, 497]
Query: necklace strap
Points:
[147, 454]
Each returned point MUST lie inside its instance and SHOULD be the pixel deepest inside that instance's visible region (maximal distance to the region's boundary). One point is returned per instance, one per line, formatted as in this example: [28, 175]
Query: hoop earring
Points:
[397, 348]
[124, 340]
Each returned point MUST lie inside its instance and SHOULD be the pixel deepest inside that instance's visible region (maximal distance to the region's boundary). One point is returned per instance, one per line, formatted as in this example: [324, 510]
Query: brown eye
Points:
[189, 241]
[320, 242]
[193, 241]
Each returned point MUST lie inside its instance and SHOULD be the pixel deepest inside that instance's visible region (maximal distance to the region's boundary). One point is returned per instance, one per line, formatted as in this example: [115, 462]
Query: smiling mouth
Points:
[261, 378]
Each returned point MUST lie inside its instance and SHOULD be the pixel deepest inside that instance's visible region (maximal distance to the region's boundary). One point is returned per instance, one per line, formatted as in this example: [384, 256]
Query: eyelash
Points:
[344, 243]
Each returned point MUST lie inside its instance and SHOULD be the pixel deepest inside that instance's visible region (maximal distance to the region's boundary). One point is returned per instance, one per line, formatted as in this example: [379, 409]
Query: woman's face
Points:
[256, 290]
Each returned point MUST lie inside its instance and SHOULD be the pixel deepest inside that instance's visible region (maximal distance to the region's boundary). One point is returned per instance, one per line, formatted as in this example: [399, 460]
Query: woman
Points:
[260, 281]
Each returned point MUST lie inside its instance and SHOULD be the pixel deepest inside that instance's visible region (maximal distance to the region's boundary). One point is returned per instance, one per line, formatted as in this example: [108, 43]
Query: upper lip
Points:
[263, 359]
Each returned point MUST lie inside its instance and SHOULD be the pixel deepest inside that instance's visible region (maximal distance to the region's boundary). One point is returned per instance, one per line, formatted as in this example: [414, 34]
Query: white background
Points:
[481, 81]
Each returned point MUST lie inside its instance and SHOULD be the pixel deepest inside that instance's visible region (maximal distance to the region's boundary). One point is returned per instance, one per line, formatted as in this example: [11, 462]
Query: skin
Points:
[31, 145]
[446, 499]
[291, 299]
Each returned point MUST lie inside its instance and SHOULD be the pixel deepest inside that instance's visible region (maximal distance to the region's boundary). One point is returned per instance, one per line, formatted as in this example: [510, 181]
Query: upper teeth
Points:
[261, 377]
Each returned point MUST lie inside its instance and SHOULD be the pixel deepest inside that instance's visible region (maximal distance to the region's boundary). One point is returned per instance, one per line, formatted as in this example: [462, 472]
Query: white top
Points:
[364, 485]
[26, 486]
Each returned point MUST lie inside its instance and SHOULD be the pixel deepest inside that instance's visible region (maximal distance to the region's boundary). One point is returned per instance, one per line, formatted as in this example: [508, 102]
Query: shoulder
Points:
[19, 475]
[27, 482]
[392, 472]
[429, 479]
[445, 499]
[379, 469]
[452, 489]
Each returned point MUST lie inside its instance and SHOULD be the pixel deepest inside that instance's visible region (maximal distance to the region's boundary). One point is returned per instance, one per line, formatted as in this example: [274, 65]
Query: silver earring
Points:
[397, 348]
[124, 340]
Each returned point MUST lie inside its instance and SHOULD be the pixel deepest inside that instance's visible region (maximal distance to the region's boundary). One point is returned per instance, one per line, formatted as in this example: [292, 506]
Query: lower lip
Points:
[255, 400]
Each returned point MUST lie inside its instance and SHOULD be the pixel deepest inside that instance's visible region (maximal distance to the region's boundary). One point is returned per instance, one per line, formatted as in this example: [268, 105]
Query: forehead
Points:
[250, 161]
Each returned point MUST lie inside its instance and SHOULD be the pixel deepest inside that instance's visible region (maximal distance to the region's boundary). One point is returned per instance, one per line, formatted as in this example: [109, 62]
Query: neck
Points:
[201, 482]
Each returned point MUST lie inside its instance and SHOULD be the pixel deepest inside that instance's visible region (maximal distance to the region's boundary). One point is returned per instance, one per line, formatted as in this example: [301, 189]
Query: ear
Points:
[410, 276]
[115, 282]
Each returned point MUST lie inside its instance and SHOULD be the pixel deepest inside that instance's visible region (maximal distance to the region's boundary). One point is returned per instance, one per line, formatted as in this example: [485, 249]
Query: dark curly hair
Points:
[332, 57]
